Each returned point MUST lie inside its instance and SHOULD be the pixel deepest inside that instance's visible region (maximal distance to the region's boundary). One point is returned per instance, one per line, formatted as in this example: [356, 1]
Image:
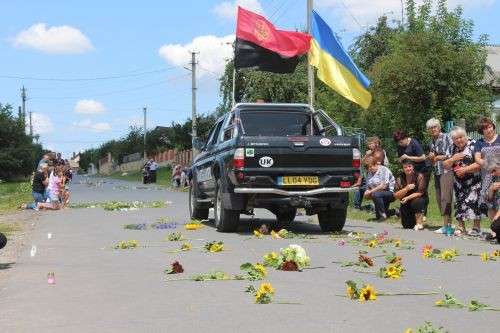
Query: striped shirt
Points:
[443, 145]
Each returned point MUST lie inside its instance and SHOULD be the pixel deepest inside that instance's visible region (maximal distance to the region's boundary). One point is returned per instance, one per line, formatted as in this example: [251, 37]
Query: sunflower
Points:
[351, 294]
[439, 303]
[260, 268]
[216, 247]
[193, 226]
[257, 233]
[448, 255]
[186, 247]
[367, 293]
[426, 253]
[266, 288]
[275, 235]
[485, 256]
[393, 272]
[495, 253]
[372, 243]
[397, 243]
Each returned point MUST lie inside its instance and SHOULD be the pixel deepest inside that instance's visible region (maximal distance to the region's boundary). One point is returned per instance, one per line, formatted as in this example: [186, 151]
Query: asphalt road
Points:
[99, 289]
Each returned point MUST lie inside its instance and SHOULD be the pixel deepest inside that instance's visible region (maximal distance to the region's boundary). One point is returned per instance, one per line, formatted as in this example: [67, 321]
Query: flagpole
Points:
[234, 86]
[310, 72]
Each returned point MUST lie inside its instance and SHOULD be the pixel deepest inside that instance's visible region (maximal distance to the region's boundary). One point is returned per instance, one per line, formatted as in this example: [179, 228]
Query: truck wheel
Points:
[226, 220]
[196, 211]
[285, 218]
[332, 219]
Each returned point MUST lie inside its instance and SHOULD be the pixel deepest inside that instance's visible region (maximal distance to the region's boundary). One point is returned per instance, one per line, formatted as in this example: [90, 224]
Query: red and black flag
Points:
[261, 46]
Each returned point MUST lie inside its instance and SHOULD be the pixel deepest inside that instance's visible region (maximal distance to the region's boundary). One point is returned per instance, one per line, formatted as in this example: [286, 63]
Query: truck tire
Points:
[284, 219]
[332, 219]
[226, 220]
[196, 211]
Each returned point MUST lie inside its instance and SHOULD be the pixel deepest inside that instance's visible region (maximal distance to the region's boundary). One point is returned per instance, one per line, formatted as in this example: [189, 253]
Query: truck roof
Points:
[273, 106]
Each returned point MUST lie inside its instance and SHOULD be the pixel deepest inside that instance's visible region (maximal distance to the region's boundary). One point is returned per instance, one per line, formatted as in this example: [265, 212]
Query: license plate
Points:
[298, 180]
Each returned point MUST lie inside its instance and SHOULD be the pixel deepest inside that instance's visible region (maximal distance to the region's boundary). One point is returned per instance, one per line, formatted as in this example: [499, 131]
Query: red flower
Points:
[289, 266]
[177, 268]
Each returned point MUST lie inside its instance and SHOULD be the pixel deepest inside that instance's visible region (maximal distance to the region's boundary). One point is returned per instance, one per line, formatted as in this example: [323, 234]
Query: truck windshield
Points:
[277, 123]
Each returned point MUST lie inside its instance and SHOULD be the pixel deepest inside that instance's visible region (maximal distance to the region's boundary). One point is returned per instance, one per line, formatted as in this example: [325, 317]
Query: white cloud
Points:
[95, 127]
[350, 13]
[227, 9]
[89, 106]
[213, 53]
[41, 123]
[62, 39]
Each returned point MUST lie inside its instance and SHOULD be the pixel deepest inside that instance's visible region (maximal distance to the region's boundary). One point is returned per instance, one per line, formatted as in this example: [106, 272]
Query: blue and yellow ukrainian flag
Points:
[335, 66]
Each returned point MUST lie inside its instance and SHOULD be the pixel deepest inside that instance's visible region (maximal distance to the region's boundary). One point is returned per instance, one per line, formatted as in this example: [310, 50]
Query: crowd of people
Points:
[50, 183]
[466, 179]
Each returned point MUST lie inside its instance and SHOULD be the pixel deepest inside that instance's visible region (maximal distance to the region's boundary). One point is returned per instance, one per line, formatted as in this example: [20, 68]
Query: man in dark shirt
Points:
[40, 182]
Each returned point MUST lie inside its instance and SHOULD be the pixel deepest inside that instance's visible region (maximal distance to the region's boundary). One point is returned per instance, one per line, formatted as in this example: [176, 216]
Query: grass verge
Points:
[13, 194]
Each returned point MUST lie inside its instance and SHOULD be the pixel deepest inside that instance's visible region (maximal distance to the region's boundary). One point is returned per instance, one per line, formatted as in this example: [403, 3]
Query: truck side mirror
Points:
[198, 144]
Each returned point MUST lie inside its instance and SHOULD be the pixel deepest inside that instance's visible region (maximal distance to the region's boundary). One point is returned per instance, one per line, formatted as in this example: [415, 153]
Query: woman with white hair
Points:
[467, 181]
[439, 150]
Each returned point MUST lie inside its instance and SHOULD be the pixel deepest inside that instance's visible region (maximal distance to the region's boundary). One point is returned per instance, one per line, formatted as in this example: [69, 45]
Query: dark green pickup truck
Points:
[274, 156]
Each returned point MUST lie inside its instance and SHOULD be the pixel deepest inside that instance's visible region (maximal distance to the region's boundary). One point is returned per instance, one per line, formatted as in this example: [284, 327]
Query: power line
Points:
[118, 91]
[278, 9]
[351, 14]
[110, 77]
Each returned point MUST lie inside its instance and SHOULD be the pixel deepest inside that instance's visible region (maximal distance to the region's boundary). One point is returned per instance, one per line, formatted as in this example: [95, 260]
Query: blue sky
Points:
[110, 58]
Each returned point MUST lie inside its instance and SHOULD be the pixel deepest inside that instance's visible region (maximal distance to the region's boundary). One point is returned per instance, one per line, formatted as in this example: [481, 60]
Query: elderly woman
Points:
[375, 150]
[440, 150]
[489, 144]
[411, 192]
[379, 187]
[492, 165]
[467, 181]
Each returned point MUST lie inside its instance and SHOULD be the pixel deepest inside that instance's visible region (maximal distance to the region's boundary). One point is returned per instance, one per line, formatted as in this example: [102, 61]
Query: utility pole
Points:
[193, 100]
[31, 124]
[23, 107]
[144, 110]
[310, 71]
[402, 14]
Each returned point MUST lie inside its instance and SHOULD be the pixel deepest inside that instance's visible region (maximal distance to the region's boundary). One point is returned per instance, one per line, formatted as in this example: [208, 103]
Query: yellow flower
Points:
[350, 292]
[257, 233]
[439, 303]
[216, 247]
[282, 233]
[448, 255]
[409, 330]
[266, 288]
[275, 235]
[258, 296]
[495, 253]
[367, 293]
[186, 247]
[193, 226]
[394, 272]
[260, 268]
[485, 256]
[372, 243]
[397, 243]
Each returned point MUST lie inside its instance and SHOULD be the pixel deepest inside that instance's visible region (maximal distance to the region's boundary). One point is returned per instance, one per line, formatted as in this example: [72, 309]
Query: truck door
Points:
[205, 178]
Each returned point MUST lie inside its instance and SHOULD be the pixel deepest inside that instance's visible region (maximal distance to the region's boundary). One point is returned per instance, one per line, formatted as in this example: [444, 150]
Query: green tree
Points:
[434, 69]
[18, 155]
